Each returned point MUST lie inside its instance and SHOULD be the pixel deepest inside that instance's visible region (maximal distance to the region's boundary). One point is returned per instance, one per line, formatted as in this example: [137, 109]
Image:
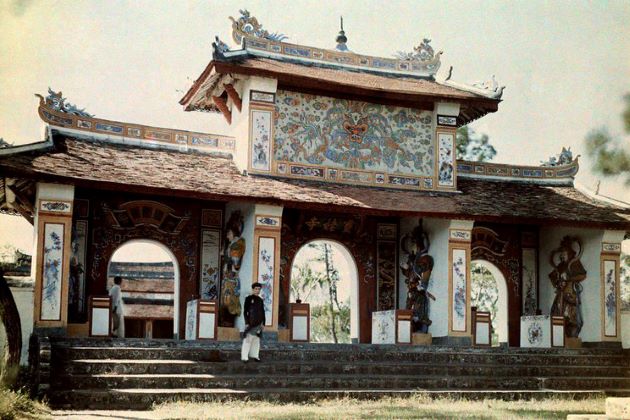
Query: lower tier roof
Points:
[94, 164]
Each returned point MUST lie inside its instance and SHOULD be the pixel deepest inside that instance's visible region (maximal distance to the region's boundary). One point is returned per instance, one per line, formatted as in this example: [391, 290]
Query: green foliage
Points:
[17, 405]
[330, 320]
[485, 295]
[610, 158]
[321, 319]
[472, 146]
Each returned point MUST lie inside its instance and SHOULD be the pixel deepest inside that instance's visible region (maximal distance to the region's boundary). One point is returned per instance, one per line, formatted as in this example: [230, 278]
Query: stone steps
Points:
[143, 399]
[334, 381]
[128, 374]
[114, 366]
[401, 355]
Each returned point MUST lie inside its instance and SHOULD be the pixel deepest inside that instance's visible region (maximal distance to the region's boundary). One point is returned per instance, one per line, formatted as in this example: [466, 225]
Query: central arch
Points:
[353, 276]
[502, 303]
[176, 272]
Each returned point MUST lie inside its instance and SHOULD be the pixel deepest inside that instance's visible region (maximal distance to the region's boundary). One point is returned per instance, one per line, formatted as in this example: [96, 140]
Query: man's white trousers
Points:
[251, 347]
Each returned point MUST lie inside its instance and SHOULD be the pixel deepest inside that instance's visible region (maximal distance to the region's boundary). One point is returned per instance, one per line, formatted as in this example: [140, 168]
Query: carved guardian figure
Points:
[566, 277]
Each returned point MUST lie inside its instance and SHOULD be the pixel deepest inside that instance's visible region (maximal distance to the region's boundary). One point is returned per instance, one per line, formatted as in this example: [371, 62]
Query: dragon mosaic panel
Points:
[352, 135]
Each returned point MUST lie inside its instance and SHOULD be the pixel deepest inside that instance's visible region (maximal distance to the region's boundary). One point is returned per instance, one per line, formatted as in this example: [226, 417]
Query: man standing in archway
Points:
[118, 318]
[254, 323]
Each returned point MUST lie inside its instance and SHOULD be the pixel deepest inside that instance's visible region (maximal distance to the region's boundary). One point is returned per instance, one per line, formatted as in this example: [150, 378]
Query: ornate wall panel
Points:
[386, 266]
[266, 269]
[446, 151]
[261, 134]
[459, 292]
[530, 281]
[53, 274]
[354, 142]
[610, 297]
[210, 267]
[77, 308]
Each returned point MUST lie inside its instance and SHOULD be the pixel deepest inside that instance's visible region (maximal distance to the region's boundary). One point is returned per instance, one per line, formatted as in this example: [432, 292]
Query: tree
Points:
[609, 156]
[472, 146]
[330, 319]
[10, 319]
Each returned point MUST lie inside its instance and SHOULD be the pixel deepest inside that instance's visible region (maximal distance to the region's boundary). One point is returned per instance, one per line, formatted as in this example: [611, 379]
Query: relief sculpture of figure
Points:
[566, 276]
[233, 256]
[417, 270]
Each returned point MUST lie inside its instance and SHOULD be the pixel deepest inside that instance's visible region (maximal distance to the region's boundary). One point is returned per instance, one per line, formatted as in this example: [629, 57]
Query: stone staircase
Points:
[134, 374]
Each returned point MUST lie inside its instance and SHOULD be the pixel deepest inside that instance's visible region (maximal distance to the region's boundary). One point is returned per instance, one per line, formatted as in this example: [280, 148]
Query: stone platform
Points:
[134, 374]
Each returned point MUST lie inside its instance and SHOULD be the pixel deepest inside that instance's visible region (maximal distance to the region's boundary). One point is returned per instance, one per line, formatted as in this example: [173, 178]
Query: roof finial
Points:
[341, 39]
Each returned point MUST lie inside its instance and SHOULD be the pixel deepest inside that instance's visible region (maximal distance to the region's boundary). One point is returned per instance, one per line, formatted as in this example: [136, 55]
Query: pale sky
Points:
[566, 65]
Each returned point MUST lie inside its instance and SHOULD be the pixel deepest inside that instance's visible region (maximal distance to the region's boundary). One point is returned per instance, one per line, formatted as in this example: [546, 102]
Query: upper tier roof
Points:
[95, 164]
[407, 80]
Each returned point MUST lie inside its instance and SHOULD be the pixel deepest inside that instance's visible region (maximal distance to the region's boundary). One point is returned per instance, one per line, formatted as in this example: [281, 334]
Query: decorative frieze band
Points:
[62, 208]
[460, 235]
[611, 248]
[480, 169]
[192, 140]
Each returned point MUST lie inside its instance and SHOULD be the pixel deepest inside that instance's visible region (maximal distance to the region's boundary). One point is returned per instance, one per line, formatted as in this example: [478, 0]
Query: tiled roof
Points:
[109, 166]
[403, 85]
[404, 91]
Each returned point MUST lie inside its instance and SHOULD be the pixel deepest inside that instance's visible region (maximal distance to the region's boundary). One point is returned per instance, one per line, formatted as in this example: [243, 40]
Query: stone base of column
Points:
[602, 345]
[453, 341]
[50, 331]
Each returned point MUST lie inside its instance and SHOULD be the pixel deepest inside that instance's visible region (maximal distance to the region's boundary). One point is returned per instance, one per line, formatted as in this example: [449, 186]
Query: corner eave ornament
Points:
[423, 54]
[57, 102]
[491, 86]
[248, 26]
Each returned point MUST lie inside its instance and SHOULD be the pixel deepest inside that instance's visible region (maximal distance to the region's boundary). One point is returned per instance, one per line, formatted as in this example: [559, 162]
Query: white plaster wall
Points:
[23, 297]
[240, 120]
[550, 238]
[246, 272]
[437, 229]
[625, 329]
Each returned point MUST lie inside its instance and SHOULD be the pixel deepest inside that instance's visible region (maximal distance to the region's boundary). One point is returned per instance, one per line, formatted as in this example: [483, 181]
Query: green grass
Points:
[415, 407]
[17, 405]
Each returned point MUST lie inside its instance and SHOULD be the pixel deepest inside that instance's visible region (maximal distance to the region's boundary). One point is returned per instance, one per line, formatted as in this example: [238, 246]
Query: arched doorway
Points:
[324, 274]
[150, 288]
[489, 293]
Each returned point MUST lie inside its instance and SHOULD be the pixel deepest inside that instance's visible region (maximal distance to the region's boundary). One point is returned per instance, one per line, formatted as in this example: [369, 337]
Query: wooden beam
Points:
[222, 105]
[234, 96]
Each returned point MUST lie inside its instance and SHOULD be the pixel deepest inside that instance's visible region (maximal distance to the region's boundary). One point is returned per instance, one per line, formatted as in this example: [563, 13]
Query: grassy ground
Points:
[386, 408]
[17, 405]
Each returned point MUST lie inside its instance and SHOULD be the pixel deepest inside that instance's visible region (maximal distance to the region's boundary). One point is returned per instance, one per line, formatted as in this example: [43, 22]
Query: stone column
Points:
[51, 257]
[261, 261]
[610, 289]
[459, 282]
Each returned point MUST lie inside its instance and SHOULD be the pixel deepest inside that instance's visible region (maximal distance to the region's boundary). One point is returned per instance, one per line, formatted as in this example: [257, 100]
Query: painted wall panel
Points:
[343, 134]
[266, 262]
[459, 290]
[610, 298]
[52, 272]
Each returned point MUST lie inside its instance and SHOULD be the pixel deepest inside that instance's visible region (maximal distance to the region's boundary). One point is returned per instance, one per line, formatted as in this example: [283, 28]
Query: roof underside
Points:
[403, 91]
[117, 167]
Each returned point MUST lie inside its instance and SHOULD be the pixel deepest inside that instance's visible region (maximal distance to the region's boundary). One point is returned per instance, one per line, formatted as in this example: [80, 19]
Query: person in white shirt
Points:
[118, 318]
